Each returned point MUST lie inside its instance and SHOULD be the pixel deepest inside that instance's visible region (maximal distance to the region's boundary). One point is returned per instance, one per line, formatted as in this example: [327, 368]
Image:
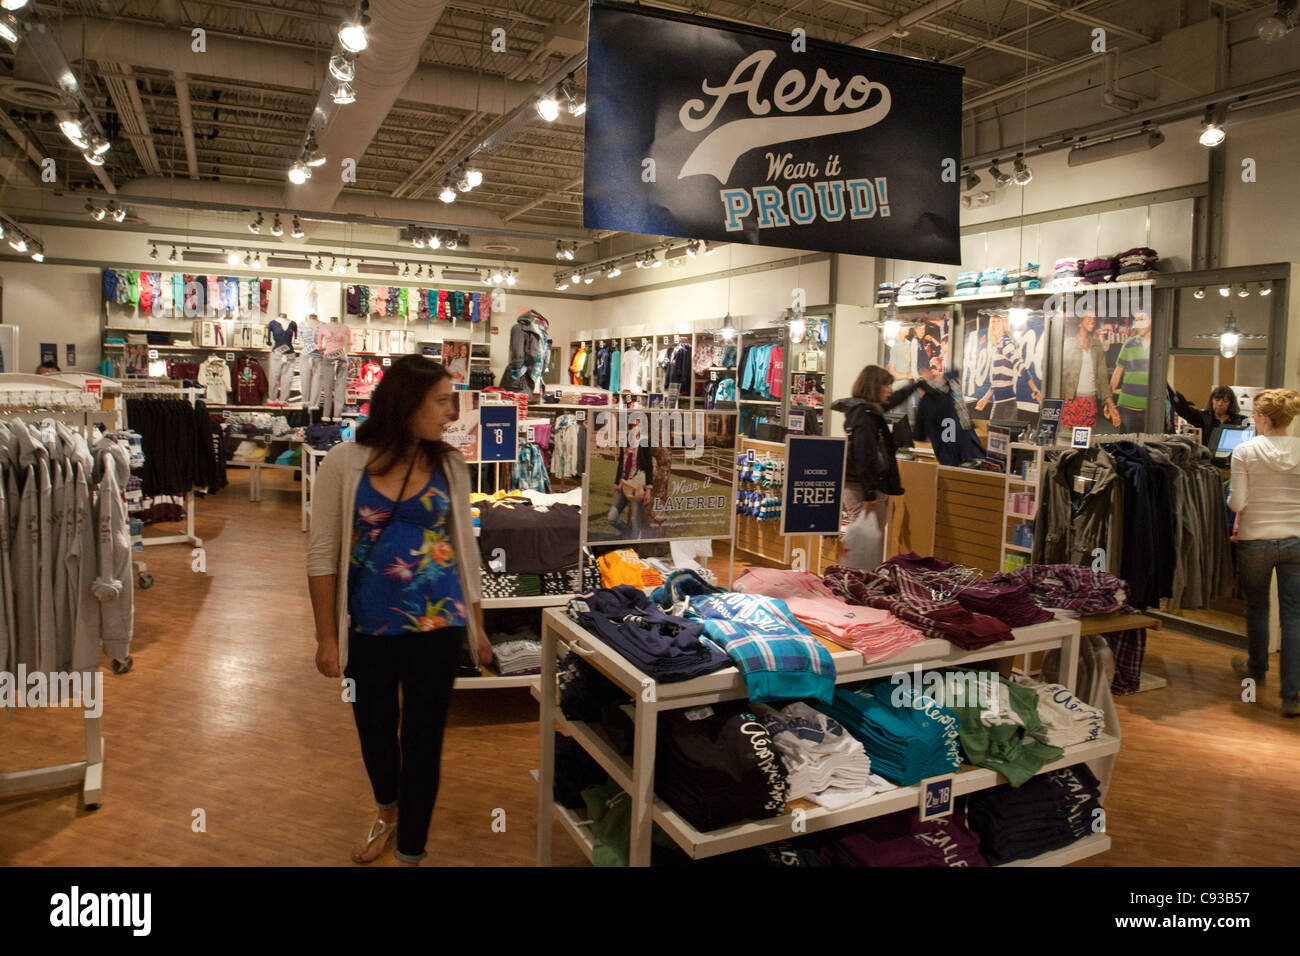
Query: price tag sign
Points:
[814, 485]
[230, 356]
[388, 361]
[796, 423]
[498, 432]
[532, 434]
[557, 395]
[95, 386]
[153, 355]
[581, 416]
[936, 797]
[1081, 437]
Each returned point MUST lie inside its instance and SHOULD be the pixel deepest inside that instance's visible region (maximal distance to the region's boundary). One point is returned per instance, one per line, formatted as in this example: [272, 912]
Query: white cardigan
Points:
[334, 503]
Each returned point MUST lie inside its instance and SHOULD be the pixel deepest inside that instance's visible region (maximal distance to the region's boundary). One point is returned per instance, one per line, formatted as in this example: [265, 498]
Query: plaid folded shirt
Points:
[1072, 587]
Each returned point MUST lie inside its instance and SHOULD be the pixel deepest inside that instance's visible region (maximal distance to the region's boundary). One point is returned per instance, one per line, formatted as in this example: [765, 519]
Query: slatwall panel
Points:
[968, 518]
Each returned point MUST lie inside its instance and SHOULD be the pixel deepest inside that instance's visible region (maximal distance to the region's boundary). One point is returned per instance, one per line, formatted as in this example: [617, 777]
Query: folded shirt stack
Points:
[585, 692]
[667, 648]
[1026, 276]
[1100, 269]
[931, 286]
[519, 653]
[1066, 720]
[907, 290]
[506, 585]
[886, 293]
[716, 765]
[1010, 603]
[908, 741]
[1072, 589]
[900, 839]
[874, 633]
[823, 762]
[968, 283]
[1047, 813]
[1066, 273]
[998, 724]
[778, 657]
[992, 280]
[1137, 264]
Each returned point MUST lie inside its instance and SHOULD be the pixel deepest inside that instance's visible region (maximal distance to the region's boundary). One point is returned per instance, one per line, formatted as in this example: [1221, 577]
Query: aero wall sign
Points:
[744, 135]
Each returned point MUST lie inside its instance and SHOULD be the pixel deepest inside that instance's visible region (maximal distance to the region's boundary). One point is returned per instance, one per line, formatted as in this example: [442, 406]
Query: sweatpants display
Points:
[282, 363]
[311, 367]
[334, 387]
[404, 774]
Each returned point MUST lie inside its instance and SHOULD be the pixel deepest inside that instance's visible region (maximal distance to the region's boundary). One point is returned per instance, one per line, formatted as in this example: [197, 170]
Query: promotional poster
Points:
[1094, 345]
[660, 475]
[1002, 374]
[705, 130]
[462, 433]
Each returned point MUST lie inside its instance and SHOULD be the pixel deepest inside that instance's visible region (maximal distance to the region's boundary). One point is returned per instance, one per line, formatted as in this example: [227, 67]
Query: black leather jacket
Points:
[871, 463]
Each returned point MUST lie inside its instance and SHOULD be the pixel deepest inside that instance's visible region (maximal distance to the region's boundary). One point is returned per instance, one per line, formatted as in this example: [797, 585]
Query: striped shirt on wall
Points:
[1006, 371]
[1135, 361]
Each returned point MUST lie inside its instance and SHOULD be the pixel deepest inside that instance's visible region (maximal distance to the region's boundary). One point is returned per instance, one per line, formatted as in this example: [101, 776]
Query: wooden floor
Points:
[225, 713]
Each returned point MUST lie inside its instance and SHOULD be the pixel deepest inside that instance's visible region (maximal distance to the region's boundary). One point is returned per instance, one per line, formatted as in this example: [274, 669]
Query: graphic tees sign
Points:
[743, 135]
[814, 481]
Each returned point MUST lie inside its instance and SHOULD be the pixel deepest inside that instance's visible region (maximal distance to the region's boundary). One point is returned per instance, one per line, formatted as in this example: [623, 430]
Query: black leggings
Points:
[424, 665]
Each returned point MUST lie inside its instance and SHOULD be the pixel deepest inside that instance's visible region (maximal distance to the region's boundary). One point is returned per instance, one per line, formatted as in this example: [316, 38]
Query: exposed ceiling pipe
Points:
[125, 94]
[526, 207]
[182, 84]
[881, 33]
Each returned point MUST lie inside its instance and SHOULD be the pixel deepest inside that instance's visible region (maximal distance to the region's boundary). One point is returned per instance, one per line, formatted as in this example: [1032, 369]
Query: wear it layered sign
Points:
[730, 133]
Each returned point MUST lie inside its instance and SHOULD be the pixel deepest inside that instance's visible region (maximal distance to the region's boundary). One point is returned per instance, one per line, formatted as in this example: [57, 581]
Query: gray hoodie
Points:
[79, 552]
[1266, 487]
[114, 583]
[34, 614]
[8, 637]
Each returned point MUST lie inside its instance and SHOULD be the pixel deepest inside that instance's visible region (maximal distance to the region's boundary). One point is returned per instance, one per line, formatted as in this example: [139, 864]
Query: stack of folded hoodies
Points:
[1025, 276]
[1066, 273]
[1136, 264]
[907, 735]
[1047, 813]
[717, 765]
[907, 290]
[992, 281]
[886, 294]
[900, 839]
[968, 283]
[1100, 269]
[931, 286]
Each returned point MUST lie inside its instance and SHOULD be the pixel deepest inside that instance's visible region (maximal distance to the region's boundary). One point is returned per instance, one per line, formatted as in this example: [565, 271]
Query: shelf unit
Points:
[1019, 454]
[1006, 296]
[637, 776]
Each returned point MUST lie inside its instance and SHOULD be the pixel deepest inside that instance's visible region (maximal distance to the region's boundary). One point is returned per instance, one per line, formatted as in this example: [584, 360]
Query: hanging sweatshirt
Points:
[114, 584]
[214, 375]
[250, 382]
[79, 551]
[8, 466]
[32, 558]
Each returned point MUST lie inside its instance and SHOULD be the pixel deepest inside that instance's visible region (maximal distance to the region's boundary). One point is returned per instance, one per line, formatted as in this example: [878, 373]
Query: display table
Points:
[560, 634]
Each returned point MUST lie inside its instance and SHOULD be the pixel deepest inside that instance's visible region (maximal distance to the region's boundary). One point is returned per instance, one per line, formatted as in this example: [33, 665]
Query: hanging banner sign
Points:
[814, 485]
[499, 432]
[731, 133]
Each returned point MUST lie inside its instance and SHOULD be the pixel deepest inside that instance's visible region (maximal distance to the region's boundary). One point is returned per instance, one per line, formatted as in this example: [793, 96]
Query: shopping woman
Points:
[1266, 496]
[393, 573]
[1221, 411]
[871, 472]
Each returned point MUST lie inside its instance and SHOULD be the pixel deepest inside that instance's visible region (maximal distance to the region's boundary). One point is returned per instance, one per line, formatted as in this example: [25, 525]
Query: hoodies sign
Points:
[702, 131]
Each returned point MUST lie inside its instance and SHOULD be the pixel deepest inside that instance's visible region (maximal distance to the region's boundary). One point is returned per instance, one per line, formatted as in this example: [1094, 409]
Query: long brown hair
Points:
[1223, 391]
[869, 383]
[393, 404]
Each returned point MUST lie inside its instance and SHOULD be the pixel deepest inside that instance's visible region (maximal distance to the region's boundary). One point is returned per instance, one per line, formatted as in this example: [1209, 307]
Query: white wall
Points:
[1261, 220]
[49, 303]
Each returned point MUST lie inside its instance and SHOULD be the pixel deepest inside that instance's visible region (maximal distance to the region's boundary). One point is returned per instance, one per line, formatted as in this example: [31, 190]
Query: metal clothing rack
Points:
[153, 387]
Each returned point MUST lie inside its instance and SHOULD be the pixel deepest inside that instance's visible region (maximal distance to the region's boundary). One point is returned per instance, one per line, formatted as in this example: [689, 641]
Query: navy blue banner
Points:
[814, 484]
[498, 432]
[708, 131]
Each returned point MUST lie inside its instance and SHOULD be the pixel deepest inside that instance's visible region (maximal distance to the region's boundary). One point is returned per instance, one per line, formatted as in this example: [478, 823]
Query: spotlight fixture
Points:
[75, 132]
[1023, 173]
[119, 212]
[474, 177]
[9, 27]
[99, 146]
[448, 194]
[576, 277]
[614, 272]
[406, 271]
[296, 231]
[173, 258]
[1265, 289]
[559, 249]
[576, 106]
[248, 260]
[38, 252]
[655, 261]
[18, 243]
[560, 283]
[255, 227]
[971, 181]
[709, 248]
[153, 253]
[317, 266]
[95, 159]
[342, 67]
[277, 229]
[548, 107]
[999, 177]
[512, 277]
[345, 94]
[1212, 131]
[1243, 292]
[497, 278]
[1225, 290]
[97, 213]
[311, 156]
[454, 240]
[1199, 293]
[965, 202]
[232, 258]
[299, 173]
[347, 266]
[462, 179]
[588, 279]
[1272, 28]
[435, 242]
[13, 4]
[417, 239]
[352, 34]
[691, 249]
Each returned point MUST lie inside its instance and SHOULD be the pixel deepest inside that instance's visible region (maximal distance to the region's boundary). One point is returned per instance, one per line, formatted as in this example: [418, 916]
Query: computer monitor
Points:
[1230, 436]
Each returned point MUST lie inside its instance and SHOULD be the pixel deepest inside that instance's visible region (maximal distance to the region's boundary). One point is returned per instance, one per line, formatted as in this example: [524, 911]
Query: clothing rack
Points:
[170, 389]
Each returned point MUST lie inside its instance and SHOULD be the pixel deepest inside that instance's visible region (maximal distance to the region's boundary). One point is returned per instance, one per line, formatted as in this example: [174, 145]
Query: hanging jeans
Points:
[1256, 560]
[281, 373]
[404, 771]
[335, 386]
[863, 538]
[310, 369]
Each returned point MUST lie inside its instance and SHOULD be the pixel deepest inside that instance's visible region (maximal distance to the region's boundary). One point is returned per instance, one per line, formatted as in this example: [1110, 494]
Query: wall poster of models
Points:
[922, 347]
[1002, 374]
[462, 432]
[659, 475]
[1101, 357]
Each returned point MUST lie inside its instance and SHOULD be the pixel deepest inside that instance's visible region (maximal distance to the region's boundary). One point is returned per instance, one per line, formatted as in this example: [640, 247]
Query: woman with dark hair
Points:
[393, 573]
[871, 472]
[1221, 410]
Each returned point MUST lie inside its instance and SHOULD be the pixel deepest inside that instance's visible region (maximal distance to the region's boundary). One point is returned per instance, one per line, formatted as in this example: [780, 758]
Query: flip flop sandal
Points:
[379, 831]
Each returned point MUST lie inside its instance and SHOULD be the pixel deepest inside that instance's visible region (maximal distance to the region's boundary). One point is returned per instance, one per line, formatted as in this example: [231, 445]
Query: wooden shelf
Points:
[995, 296]
[1016, 547]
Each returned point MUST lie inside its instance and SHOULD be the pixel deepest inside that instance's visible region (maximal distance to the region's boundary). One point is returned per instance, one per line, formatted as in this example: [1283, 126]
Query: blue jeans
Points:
[621, 501]
[1255, 563]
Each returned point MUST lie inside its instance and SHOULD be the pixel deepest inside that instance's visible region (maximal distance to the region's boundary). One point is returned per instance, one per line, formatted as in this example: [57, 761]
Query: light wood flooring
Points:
[225, 713]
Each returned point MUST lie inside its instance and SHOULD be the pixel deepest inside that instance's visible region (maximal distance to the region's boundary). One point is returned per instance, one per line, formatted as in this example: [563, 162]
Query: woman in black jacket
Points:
[1221, 410]
[871, 473]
